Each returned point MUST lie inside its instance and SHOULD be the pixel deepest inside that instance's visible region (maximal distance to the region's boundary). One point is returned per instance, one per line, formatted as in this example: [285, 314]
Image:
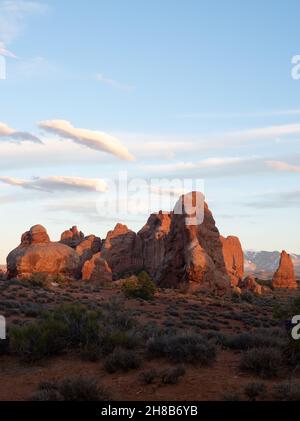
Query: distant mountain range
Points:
[266, 262]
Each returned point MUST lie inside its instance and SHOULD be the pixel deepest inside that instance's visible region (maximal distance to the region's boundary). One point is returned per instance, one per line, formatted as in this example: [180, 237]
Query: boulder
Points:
[37, 254]
[72, 237]
[234, 258]
[153, 236]
[250, 284]
[97, 270]
[284, 277]
[122, 249]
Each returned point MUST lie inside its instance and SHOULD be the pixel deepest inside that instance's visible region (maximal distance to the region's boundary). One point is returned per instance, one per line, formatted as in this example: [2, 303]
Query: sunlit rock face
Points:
[285, 277]
[122, 249]
[97, 270]
[193, 253]
[233, 258]
[153, 238]
[37, 254]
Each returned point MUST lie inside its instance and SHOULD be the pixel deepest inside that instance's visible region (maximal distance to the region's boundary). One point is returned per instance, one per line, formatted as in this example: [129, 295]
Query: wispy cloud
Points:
[187, 166]
[58, 183]
[284, 166]
[273, 200]
[114, 83]
[272, 113]
[89, 138]
[9, 134]
[168, 146]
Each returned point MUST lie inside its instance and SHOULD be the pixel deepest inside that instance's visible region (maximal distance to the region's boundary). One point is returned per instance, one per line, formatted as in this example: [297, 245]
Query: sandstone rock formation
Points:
[174, 248]
[194, 253]
[250, 284]
[284, 277]
[88, 247]
[36, 235]
[122, 249]
[233, 258]
[153, 236]
[72, 237]
[96, 270]
[37, 254]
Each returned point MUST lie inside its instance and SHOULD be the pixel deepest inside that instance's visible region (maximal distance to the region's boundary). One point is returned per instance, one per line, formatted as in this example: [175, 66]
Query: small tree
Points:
[141, 287]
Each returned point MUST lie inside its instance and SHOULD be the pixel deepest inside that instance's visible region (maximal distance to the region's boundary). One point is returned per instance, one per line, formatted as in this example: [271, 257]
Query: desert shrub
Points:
[122, 360]
[34, 341]
[218, 338]
[114, 315]
[182, 347]
[90, 352]
[232, 397]
[118, 339]
[4, 346]
[31, 309]
[59, 279]
[255, 390]
[81, 324]
[287, 391]
[148, 376]
[255, 339]
[142, 287]
[46, 394]
[264, 362]
[71, 389]
[67, 326]
[38, 279]
[173, 374]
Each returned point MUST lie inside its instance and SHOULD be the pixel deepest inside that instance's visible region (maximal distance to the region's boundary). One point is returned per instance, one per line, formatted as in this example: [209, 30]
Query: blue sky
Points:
[188, 89]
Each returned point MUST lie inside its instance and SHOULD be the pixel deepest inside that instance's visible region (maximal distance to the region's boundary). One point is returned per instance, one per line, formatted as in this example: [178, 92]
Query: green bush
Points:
[118, 339]
[182, 347]
[35, 341]
[122, 360]
[72, 326]
[68, 326]
[142, 287]
[264, 362]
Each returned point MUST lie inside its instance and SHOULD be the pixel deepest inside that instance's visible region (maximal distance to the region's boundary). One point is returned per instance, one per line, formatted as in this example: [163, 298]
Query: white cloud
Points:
[58, 183]
[89, 138]
[186, 166]
[114, 83]
[7, 133]
[284, 166]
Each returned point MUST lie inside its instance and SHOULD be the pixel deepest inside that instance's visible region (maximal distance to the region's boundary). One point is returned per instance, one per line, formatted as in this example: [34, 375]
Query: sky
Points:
[99, 91]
